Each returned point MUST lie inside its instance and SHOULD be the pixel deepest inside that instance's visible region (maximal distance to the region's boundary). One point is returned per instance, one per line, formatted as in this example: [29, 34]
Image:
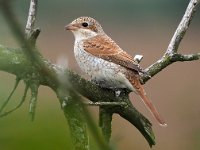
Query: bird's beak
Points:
[71, 27]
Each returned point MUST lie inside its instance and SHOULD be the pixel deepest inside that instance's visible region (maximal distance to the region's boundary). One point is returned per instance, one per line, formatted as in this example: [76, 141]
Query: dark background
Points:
[139, 27]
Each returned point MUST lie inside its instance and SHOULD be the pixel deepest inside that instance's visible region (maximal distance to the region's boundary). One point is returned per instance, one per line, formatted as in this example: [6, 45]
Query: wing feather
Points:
[104, 47]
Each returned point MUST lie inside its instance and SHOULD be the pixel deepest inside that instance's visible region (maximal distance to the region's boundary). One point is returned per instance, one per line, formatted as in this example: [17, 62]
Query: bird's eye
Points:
[84, 24]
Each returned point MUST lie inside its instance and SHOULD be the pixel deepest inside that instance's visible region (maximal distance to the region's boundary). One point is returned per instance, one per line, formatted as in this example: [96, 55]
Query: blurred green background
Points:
[139, 27]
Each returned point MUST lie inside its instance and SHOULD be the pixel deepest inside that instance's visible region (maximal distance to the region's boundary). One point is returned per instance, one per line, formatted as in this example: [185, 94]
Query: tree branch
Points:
[31, 33]
[79, 84]
[189, 57]
[105, 122]
[171, 54]
[70, 104]
[31, 17]
[182, 27]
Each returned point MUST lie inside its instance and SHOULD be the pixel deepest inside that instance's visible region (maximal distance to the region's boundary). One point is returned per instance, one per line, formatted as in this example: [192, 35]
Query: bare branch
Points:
[182, 27]
[188, 57]
[31, 33]
[166, 61]
[31, 18]
[171, 54]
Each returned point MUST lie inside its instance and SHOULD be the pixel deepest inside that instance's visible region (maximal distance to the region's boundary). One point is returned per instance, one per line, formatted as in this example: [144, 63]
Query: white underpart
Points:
[106, 73]
[82, 34]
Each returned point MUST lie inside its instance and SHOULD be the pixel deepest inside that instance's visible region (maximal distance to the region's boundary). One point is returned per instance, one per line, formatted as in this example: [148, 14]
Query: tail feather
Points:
[151, 107]
[141, 92]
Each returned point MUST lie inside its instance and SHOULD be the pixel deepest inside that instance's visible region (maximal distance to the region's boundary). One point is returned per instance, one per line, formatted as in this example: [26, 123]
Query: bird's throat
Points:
[83, 34]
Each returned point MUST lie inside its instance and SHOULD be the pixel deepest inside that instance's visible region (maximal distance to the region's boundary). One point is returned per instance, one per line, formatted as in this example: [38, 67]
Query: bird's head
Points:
[84, 28]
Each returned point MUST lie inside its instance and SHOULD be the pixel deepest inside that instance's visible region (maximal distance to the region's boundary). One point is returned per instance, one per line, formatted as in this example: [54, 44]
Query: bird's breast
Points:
[104, 72]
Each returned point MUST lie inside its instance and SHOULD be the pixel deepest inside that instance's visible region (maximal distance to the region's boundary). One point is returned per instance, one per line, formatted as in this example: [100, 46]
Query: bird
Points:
[105, 62]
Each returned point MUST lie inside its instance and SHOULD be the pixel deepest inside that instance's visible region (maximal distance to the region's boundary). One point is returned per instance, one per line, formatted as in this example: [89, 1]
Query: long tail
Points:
[141, 92]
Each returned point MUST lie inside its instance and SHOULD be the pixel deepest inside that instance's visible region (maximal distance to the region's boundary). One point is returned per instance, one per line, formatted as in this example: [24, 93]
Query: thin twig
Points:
[106, 103]
[182, 27]
[19, 105]
[31, 18]
[12, 92]
[188, 57]
[33, 101]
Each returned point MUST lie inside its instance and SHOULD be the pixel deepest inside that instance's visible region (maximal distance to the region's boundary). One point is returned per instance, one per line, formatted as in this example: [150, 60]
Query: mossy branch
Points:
[79, 84]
